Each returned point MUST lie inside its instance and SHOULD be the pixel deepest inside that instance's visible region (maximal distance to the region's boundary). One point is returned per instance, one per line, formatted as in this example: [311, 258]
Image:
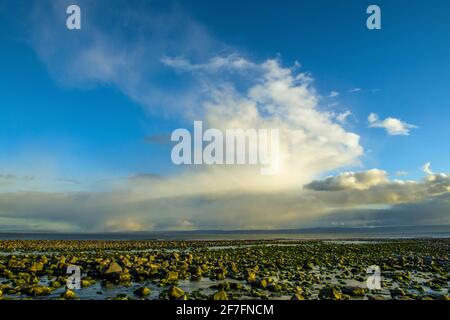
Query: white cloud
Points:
[225, 91]
[372, 118]
[342, 117]
[354, 90]
[427, 168]
[266, 95]
[392, 126]
[438, 183]
[333, 94]
[350, 180]
[104, 52]
[390, 191]
[171, 203]
[215, 64]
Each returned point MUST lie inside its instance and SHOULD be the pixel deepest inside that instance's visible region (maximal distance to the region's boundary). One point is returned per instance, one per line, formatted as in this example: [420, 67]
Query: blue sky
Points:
[72, 127]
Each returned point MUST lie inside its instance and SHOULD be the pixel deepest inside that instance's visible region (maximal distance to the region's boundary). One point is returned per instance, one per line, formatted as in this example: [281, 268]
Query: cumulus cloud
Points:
[438, 183]
[350, 180]
[160, 203]
[232, 92]
[392, 126]
[224, 90]
[432, 212]
[248, 94]
[377, 182]
[267, 95]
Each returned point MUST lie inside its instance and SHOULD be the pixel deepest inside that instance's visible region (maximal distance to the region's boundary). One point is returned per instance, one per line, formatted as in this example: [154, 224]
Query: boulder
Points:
[69, 295]
[142, 291]
[39, 291]
[398, 292]
[262, 283]
[251, 275]
[86, 283]
[220, 295]
[308, 266]
[297, 296]
[330, 293]
[358, 292]
[275, 287]
[36, 267]
[125, 278]
[354, 291]
[172, 276]
[113, 267]
[175, 292]
[236, 286]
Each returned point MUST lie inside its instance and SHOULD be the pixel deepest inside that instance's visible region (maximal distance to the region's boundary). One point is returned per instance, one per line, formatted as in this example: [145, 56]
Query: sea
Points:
[398, 232]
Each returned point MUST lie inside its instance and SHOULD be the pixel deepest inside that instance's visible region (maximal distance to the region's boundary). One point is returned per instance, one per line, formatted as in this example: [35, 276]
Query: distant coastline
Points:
[400, 232]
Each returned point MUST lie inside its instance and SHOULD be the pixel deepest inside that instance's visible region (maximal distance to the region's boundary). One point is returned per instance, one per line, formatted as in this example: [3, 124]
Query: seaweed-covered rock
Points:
[86, 282]
[142, 291]
[262, 283]
[236, 286]
[113, 268]
[69, 295]
[55, 284]
[36, 267]
[398, 292]
[297, 296]
[250, 275]
[355, 291]
[220, 295]
[220, 273]
[39, 291]
[120, 296]
[172, 276]
[274, 287]
[175, 292]
[330, 293]
[308, 266]
[125, 278]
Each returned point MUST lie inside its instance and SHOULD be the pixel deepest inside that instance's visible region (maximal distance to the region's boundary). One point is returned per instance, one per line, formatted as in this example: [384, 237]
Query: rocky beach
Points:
[415, 269]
